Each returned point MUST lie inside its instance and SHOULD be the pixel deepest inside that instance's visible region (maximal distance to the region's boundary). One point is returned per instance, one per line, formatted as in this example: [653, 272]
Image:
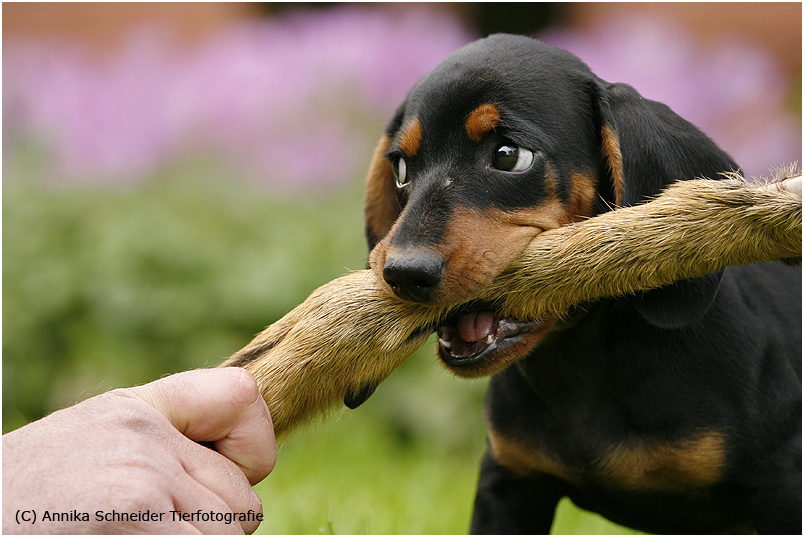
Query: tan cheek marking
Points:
[480, 121]
[582, 195]
[551, 182]
[612, 152]
[411, 137]
[477, 246]
[547, 216]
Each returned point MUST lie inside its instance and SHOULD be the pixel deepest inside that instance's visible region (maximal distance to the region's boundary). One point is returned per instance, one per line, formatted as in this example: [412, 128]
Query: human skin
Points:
[138, 449]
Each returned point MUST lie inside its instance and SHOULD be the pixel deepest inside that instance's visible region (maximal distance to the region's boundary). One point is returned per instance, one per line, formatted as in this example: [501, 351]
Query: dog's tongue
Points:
[476, 326]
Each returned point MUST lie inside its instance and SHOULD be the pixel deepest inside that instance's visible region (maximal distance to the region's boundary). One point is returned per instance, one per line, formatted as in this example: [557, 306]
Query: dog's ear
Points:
[645, 147]
[679, 304]
[381, 208]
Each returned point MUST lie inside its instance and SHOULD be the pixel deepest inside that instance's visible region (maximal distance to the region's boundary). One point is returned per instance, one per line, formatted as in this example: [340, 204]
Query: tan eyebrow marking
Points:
[480, 121]
[410, 137]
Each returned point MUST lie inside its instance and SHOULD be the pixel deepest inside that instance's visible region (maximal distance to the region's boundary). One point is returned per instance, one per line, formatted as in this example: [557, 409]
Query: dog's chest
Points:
[633, 464]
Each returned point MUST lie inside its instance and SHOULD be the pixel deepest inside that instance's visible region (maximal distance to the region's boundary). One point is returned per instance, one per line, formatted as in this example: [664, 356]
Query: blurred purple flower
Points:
[733, 92]
[290, 98]
[298, 100]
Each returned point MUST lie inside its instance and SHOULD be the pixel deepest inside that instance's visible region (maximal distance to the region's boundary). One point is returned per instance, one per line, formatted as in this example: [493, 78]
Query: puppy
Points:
[672, 411]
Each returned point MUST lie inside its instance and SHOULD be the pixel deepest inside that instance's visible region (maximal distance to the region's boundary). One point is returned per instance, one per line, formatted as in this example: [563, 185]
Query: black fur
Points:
[720, 354]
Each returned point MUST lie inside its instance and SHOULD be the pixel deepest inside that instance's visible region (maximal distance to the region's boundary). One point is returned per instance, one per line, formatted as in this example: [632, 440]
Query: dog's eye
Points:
[400, 173]
[512, 158]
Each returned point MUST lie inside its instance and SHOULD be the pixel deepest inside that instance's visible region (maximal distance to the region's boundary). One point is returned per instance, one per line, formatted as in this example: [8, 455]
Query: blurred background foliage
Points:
[178, 176]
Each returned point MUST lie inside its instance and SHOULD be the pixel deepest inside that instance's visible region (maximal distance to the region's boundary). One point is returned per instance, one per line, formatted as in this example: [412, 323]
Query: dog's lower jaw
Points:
[508, 341]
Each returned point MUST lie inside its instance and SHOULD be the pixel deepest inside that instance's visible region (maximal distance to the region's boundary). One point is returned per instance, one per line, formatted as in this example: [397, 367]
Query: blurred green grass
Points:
[110, 286]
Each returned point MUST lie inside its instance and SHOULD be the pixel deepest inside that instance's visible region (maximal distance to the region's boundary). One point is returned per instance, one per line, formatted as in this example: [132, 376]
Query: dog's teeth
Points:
[489, 339]
[444, 343]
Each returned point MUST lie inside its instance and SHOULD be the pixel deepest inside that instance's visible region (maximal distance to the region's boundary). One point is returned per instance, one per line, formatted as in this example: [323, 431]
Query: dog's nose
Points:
[414, 276]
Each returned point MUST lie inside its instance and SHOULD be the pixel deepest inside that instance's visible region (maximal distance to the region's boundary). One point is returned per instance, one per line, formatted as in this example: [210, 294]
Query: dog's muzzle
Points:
[478, 343]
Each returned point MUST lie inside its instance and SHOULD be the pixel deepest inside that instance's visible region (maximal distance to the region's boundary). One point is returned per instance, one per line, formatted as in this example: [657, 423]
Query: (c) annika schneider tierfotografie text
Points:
[31, 516]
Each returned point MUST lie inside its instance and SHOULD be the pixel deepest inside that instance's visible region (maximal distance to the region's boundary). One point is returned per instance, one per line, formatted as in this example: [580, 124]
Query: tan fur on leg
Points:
[349, 335]
[343, 341]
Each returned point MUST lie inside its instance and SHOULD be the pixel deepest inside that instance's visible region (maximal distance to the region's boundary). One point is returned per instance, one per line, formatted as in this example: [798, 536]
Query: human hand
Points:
[112, 461]
[791, 184]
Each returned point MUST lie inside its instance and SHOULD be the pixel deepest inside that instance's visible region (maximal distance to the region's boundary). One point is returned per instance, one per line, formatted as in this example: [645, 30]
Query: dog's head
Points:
[506, 138]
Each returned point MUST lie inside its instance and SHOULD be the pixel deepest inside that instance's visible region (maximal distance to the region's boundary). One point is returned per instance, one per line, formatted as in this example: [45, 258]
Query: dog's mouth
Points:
[478, 343]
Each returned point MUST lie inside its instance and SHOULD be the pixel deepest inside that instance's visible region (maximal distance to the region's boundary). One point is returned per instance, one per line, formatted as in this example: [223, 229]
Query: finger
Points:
[199, 508]
[792, 185]
[225, 479]
[250, 442]
[222, 405]
[209, 486]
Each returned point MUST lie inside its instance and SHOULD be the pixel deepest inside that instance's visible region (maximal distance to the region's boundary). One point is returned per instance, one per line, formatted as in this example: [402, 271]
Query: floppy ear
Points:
[679, 304]
[381, 208]
[645, 146]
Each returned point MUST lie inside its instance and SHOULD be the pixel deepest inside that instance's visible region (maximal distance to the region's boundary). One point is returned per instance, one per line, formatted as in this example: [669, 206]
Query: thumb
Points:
[219, 405]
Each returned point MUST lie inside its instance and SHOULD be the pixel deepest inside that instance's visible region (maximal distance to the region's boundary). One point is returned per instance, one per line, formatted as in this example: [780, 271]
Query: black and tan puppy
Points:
[673, 411]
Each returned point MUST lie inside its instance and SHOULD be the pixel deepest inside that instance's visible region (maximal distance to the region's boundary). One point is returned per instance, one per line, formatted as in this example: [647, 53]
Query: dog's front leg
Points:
[334, 348]
[511, 504]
